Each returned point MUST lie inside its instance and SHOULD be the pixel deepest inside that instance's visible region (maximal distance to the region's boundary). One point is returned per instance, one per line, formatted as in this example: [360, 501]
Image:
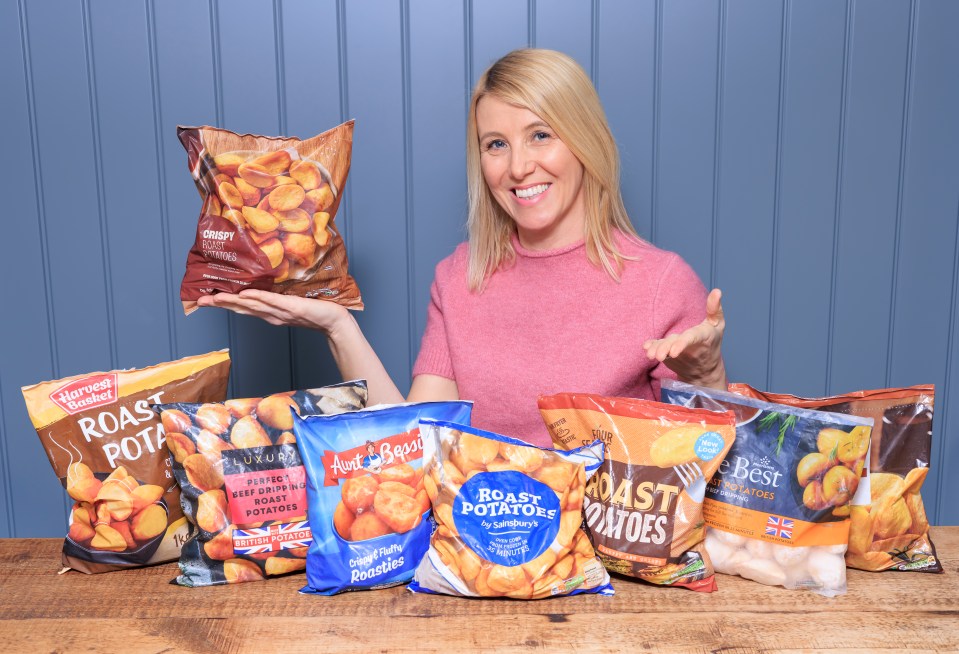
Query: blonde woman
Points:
[554, 290]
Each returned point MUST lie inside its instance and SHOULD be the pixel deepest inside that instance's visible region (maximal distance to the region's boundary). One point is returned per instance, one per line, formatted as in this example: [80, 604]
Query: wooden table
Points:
[140, 611]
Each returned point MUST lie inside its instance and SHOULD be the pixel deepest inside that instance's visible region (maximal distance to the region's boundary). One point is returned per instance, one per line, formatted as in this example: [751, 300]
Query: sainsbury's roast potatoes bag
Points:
[508, 516]
[268, 215]
[108, 448]
[243, 482]
[890, 530]
[644, 507]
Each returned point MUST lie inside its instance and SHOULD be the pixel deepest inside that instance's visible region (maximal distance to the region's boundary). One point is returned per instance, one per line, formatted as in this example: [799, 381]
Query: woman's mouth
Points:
[530, 192]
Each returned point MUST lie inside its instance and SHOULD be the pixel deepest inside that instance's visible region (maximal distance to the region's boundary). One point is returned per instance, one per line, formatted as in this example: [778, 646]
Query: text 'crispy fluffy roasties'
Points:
[508, 517]
[367, 503]
[644, 508]
[243, 482]
[890, 530]
[107, 447]
[268, 219]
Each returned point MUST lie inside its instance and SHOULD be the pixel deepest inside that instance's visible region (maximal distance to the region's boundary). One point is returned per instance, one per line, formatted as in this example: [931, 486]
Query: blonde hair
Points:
[555, 88]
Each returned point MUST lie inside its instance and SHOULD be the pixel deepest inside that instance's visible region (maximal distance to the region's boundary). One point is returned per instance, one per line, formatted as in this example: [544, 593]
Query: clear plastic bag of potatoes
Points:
[508, 517]
[777, 510]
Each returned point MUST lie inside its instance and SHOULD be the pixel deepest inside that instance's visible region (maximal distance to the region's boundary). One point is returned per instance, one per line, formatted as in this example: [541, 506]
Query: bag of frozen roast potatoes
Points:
[891, 531]
[108, 448]
[243, 483]
[268, 215]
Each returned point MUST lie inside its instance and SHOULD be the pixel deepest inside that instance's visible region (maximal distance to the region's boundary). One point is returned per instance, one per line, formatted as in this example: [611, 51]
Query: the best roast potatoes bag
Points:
[643, 508]
[243, 483]
[508, 517]
[777, 510]
[107, 447]
[890, 531]
[365, 488]
[268, 214]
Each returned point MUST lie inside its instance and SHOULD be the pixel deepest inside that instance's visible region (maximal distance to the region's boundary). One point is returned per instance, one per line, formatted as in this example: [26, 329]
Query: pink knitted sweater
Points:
[552, 323]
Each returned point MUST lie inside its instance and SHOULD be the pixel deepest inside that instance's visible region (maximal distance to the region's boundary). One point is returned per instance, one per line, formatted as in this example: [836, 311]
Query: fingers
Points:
[714, 307]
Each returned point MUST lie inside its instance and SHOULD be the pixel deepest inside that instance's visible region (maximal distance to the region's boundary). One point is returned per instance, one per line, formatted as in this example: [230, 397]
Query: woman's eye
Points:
[496, 144]
[541, 136]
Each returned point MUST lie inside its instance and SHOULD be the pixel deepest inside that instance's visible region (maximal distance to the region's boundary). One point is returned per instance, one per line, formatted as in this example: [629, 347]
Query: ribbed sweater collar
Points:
[542, 254]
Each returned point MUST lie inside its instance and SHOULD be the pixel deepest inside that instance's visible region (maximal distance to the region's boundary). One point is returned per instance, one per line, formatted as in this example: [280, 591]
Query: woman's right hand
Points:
[277, 309]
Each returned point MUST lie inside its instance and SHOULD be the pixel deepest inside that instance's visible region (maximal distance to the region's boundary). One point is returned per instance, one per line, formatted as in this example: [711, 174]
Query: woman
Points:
[554, 290]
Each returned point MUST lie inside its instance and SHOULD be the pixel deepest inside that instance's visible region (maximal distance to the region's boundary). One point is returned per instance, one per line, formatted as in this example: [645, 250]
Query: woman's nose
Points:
[521, 163]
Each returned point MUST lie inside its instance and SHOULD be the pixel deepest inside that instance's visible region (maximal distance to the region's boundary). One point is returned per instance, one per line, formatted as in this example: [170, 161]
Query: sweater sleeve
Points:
[680, 304]
[434, 356]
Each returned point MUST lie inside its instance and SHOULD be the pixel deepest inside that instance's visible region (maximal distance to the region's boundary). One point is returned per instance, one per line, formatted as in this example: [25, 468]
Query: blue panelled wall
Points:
[802, 155]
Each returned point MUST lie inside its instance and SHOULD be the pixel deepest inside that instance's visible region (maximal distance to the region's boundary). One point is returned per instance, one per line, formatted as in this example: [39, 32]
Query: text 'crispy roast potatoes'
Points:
[243, 482]
[268, 219]
[778, 508]
[367, 495]
[643, 508]
[508, 517]
[888, 529]
[106, 445]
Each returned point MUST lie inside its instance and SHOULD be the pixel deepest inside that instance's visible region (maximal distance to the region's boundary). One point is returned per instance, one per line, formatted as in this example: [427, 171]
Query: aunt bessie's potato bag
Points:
[109, 450]
[268, 215]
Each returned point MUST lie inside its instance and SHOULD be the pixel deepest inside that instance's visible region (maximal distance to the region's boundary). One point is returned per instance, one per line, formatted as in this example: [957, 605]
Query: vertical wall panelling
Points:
[800, 155]
[866, 236]
[564, 25]
[930, 197]
[311, 82]
[186, 94]
[247, 58]
[66, 150]
[127, 161]
[24, 289]
[624, 65]
[746, 185]
[498, 27]
[687, 132]
[378, 196]
[811, 132]
[437, 144]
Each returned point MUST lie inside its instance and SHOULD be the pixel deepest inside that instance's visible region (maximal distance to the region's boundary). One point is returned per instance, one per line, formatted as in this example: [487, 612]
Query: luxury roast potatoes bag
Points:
[107, 447]
[508, 517]
[365, 488]
[777, 510]
[643, 508]
[890, 530]
[243, 483]
[268, 214]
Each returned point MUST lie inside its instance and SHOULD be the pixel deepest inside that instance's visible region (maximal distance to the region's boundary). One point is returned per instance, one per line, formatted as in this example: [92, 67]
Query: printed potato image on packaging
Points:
[366, 493]
[243, 482]
[777, 510]
[643, 509]
[889, 529]
[268, 219]
[508, 517]
[107, 447]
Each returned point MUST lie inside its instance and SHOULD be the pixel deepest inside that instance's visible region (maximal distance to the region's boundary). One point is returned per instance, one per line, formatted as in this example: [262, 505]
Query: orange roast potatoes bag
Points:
[267, 220]
[108, 448]
[891, 532]
[643, 508]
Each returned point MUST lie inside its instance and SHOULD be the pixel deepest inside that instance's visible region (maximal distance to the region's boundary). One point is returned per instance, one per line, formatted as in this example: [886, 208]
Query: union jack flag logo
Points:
[272, 538]
[779, 527]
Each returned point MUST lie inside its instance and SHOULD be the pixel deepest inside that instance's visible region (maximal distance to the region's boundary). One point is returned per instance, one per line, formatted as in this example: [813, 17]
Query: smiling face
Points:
[531, 173]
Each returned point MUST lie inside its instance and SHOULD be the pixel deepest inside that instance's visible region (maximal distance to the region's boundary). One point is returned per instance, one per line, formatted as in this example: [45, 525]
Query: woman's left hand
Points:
[695, 355]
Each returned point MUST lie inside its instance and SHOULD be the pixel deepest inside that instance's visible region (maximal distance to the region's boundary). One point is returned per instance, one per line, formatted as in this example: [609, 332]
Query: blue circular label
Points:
[709, 445]
[506, 517]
